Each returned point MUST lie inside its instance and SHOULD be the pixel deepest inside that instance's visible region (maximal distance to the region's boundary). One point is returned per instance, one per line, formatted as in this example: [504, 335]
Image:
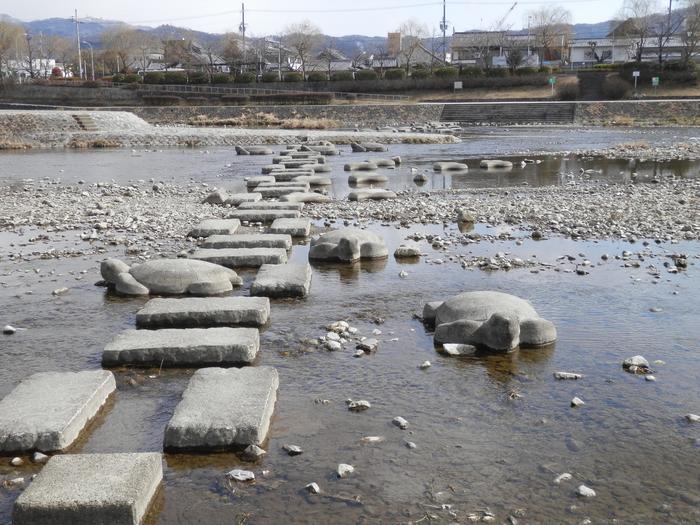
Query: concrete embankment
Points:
[77, 129]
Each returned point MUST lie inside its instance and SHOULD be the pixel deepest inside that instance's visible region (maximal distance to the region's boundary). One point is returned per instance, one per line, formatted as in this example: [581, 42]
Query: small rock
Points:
[650, 378]
[241, 475]
[453, 349]
[40, 458]
[567, 375]
[368, 345]
[253, 453]
[17, 462]
[60, 291]
[692, 418]
[577, 402]
[636, 365]
[585, 492]
[411, 445]
[403, 274]
[400, 422]
[359, 353]
[293, 450]
[425, 365]
[333, 346]
[359, 406]
[345, 470]
[562, 477]
[8, 329]
[332, 336]
[372, 439]
[313, 488]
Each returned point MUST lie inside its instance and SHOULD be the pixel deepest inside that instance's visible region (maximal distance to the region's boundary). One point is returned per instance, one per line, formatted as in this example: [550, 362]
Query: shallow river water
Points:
[477, 448]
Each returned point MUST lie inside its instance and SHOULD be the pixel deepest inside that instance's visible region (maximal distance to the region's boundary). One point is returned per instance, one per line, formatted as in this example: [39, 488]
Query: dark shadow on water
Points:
[350, 271]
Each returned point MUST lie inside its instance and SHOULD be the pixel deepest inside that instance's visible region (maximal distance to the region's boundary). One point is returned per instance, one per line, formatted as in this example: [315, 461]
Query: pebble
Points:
[692, 418]
[368, 345]
[16, 462]
[293, 450]
[563, 477]
[344, 470]
[359, 353]
[425, 365]
[333, 346]
[650, 378]
[60, 291]
[454, 349]
[253, 453]
[411, 445]
[40, 458]
[585, 492]
[8, 329]
[373, 439]
[359, 406]
[567, 375]
[400, 422]
[313, 488]
[241, 475]
[577, 402]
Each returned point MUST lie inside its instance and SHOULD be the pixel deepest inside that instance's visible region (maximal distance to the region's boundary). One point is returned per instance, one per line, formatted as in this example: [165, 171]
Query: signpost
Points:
[655, 82]
[552, 81]
[459, 85]
[635, 74]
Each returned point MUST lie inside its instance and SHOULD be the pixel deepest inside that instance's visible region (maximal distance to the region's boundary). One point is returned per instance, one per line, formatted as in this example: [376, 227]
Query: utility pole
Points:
[77, 37]
[443, 27]
[242, 29]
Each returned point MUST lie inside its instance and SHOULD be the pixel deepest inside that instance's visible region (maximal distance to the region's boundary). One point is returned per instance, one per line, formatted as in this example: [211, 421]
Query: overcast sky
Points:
[264, 17]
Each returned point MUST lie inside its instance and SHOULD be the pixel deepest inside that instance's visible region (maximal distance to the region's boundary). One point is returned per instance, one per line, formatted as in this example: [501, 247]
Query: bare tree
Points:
[302, 38]
[638, 24]
[145, 44]
[550, 26]
[123, 42]
[231, 50]
[514, 58]
[412, 35]
[691, 34]
[328, 56]
[61, 49]
[663, 28]
[9, 38]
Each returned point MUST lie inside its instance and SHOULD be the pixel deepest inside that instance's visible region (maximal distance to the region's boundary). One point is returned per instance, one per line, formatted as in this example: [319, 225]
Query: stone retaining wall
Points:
[68, 96]
[642, 112]
[350, 116]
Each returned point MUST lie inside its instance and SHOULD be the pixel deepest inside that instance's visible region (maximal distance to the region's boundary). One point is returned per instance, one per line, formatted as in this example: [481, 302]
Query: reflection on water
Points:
[478, 445]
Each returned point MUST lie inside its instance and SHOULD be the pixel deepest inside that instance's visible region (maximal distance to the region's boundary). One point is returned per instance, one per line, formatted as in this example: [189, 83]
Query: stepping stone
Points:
[204, 312]
[242, 257]
[290, 175]
[271, 206]
[189, 347]
[306, 196]
[236, 199]
[252, 182]
[270, 192]
[264, 215]
[366, 179]
[282, 280]
[253, 240]
[314, 180]
[215, 227]
[270, 169]
[47, 411]
[371, 193]
[91, 489]
[299, 227]
[224, 408]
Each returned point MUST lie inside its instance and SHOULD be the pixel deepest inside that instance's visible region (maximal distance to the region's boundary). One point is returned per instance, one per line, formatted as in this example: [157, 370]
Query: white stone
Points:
[425, 365]
[585, 492]
[400, 422]
[359, 406]
[313, 488]
[562, 477]
[692, 418]
[567, 375]
[577, 402]
[241, 475]
[344, 470]
[8, 329]
[454, 349]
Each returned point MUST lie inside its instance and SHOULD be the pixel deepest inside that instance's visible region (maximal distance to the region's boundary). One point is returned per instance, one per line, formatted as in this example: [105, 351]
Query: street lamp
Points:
[92, 59]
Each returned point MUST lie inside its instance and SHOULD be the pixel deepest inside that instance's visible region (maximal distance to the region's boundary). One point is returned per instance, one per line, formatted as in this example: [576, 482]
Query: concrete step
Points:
[241, 257]
[200, 312]
[253, 240]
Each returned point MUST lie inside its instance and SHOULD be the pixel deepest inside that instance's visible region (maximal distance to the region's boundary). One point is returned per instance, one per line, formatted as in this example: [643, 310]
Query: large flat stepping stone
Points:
[236, 199]
[215, 227]
[82, 489]
[282, 280]
[242, 257]
[252, 182]
[298, 227]
[204, 312]
[270, 192]
[223, 409]
[253, 240]
[272, 206]
[47, 411]
[189, 347]
[259, 215]
[371, 194]
[290, 175]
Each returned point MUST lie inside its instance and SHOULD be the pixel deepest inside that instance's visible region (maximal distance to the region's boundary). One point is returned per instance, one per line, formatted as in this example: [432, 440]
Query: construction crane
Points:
[499, 23]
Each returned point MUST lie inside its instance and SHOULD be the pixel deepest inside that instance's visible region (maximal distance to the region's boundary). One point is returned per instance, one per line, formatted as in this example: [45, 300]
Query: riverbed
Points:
[491, 432]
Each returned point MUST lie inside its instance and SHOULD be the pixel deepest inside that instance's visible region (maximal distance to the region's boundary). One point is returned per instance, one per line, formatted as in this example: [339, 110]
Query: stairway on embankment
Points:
[508, 113]
[85, 122]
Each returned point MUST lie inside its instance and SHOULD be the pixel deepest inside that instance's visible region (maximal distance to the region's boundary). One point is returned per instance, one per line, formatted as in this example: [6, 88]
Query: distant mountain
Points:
[599, 30]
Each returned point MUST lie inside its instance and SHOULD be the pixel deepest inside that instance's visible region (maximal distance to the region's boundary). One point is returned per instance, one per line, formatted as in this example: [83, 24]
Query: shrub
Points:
[161, 100]
[395, 74]
[197, 77]
[174, 77]
[91, 84]
[471, 72]
[245, 78]
[118, 78]
[606, 67]
[294, 98]
[131, 78]
[153, 78]
[199, 101]
[342, 76]
[221, 78]
[366, 74]
[568, 91]
[446, 72]
[418, 74]
[293, 77]
[270, 76]
[497, 72]
[317, 76]
[526, 71]
[235, 100]
[616, 88]
[350, 97]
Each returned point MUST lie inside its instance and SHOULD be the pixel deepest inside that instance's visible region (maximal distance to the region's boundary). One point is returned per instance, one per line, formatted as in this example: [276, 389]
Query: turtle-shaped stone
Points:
[170, 277]
[491, 320]
[347, 245]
